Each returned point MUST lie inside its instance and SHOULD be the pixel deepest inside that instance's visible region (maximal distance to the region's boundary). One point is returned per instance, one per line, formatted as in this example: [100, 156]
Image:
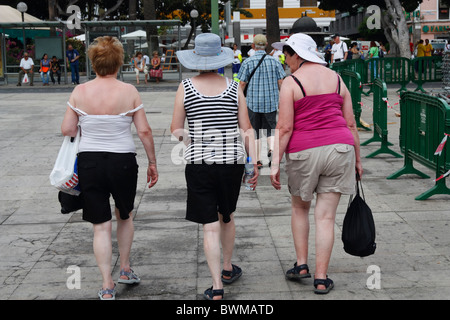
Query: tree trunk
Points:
[132, 10]
[396, 29]
[272, 23]
[110, 10]
[51, 15]
[152, 30]
[188, 40]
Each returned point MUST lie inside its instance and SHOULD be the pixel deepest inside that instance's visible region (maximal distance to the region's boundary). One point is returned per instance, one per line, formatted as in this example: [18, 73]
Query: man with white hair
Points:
[263, 74]
[339, 50]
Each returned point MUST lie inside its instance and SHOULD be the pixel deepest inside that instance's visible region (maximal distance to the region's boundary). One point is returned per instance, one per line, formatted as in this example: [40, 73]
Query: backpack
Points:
[358, 230]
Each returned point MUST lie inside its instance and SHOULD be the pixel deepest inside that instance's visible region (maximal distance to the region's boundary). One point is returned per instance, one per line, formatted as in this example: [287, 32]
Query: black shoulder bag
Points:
[253, 72]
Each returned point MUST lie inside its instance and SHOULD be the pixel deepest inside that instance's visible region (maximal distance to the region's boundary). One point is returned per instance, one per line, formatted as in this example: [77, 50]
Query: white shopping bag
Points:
[64, 175]
[25, 78]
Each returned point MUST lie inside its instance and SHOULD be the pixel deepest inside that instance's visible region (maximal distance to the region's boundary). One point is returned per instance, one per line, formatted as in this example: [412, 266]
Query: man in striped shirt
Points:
[262, 92]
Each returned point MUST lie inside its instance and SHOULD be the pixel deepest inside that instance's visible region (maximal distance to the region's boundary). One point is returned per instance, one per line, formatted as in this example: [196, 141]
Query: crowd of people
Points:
[51, 68]
[141, 63]
[315, 131]
[305, 115]
[337, 50]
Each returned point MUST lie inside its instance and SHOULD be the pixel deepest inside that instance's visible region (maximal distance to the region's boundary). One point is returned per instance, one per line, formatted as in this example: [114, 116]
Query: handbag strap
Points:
[357, 187]
[254, 70]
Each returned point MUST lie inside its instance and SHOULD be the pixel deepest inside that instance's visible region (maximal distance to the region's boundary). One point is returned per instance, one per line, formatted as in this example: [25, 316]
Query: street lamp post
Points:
[22, 7]
[194, 16]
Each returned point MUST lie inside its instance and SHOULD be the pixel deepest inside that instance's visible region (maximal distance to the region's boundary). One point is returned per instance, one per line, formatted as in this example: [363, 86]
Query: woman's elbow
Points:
[69, 131]
[145, 133]
[284, 129]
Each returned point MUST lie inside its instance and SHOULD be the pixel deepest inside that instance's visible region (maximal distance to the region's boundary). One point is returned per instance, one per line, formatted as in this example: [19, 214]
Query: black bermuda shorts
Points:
[102, 174]
[263, 121]
[212, 189]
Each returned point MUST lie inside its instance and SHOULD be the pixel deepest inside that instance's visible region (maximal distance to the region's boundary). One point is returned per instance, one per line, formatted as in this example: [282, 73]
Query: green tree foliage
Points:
[393, 22]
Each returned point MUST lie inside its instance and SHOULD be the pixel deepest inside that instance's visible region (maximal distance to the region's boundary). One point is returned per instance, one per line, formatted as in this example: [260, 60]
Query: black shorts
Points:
[263, 121]
[212, 189]
[102, 174]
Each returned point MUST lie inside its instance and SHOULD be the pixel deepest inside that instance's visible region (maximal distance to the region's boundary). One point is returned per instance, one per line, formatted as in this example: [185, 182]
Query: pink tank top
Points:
[318, 121]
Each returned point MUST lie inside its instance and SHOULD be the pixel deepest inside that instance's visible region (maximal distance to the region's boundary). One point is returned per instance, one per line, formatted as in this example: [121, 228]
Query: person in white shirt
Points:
[146, 60]
[26, 67]
[251, 51]
[339, 51]
[236, 65]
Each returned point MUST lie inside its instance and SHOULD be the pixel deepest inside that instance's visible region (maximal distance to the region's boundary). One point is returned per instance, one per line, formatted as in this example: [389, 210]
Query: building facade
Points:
[431, 20]
[289, 12]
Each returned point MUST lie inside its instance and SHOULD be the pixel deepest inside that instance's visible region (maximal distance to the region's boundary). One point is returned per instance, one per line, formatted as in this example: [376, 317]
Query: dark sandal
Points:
[209, 294]
[269, 155]
[294, 273]
[328, 283]
[231, 276]
[259, 164]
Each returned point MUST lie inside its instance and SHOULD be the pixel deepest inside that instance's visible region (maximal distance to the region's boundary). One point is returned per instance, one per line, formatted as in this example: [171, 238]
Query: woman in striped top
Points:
[217, 117]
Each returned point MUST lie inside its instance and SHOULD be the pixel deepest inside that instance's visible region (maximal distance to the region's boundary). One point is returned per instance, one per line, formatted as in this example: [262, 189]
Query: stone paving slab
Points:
[38, 244]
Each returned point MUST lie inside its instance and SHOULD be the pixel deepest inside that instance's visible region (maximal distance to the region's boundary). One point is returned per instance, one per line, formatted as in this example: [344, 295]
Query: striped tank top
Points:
[213, 126]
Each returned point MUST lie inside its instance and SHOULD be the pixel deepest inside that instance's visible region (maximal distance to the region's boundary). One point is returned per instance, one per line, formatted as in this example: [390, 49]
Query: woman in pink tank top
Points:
[318, 133]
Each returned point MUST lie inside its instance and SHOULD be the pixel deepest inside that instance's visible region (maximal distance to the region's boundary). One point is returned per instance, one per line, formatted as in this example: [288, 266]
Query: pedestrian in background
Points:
[356, 53]
[45, 67]
[339, 50]
[428, 48]
[155, 68]
[105, 108]
[214, 107]
[56, 69]
[73, 57]
[373, 54]
[26, 67]
[262, 93]
[420, 52]
[236, 65]
[327, 51]
[252, 51]
[139, 64]
[147, 66]
[318, 135]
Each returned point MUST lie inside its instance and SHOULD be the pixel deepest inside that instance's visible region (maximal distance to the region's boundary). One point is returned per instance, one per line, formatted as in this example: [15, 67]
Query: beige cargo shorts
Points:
[323, 169]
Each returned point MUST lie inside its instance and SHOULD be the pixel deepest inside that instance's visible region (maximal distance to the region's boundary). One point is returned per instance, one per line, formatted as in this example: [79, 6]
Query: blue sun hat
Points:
[208, 53]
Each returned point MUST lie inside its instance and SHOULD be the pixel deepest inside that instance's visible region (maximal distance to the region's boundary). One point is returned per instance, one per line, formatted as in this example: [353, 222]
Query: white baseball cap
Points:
[304, 46]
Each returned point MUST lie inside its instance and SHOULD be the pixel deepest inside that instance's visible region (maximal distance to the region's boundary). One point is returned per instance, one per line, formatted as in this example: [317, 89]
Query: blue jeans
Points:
[45, 77]
[374, 64]
[74, 69]
[235, 67]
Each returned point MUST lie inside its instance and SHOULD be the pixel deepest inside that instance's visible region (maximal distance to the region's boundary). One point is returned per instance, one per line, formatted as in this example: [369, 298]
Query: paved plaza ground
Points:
[41, 249]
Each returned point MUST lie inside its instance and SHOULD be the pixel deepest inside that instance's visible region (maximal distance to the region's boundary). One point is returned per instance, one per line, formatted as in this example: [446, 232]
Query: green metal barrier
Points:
[424, 122]
[356, 65]
[395, 70]
[339, 66]
[426, 69]
[392, 70]
[380, 132]
[353, 82]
